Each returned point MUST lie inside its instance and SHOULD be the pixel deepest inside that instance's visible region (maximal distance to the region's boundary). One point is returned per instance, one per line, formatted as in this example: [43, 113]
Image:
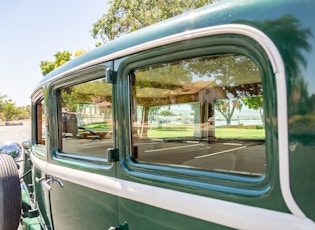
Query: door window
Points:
[85, 122]
[40, 123]
[202, 113]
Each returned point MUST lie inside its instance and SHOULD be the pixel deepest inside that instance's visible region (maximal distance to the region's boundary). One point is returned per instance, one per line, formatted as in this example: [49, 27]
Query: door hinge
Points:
[112, 155]
[110, 76]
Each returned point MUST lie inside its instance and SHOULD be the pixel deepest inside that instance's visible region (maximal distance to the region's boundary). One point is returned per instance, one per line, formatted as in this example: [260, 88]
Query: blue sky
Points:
[33, 31]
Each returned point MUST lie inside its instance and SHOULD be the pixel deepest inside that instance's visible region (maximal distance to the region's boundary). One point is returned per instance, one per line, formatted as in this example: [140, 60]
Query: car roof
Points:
[223, 12]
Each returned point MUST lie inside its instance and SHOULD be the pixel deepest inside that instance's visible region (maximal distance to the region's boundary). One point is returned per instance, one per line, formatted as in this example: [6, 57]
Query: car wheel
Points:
[10, 193]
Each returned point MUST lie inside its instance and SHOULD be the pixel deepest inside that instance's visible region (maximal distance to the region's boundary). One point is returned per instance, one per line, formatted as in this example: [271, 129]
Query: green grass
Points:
[160, 133]
[97, 126]
[239, 133]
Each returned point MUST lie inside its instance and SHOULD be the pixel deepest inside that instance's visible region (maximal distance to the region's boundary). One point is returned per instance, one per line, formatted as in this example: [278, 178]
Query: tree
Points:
[166, 113]
[227, 108]
[25, 112]
[9, 110]
[97, 90]
[61, 57]
[237, 76]
[127, 16]
[255, 103]
[2, 101]
[293, 41]
[79, 52]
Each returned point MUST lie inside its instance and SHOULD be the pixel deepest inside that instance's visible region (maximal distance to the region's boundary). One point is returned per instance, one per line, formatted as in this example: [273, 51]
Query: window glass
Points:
[204, 113]
[40, 123]
[86, 118]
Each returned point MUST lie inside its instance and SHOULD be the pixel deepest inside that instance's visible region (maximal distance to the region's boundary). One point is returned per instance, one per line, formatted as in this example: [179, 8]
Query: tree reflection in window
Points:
[204, 113]
[86, 122]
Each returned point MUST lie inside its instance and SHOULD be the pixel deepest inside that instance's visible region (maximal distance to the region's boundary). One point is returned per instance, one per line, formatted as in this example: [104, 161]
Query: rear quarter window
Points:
[201, 113]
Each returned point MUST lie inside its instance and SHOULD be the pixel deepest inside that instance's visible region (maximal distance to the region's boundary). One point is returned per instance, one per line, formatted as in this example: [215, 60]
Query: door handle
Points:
[47, 181]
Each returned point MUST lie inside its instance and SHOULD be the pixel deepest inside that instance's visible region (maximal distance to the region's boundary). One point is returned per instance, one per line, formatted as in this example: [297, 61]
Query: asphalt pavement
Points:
[17, 133]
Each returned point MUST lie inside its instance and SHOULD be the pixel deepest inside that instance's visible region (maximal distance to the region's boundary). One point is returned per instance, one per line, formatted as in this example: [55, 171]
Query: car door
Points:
[78, 176]
[199, 154]
[38, 157]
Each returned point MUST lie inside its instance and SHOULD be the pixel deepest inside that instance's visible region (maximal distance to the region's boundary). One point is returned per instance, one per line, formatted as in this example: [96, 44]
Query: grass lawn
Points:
[97, 126]
[239, 133]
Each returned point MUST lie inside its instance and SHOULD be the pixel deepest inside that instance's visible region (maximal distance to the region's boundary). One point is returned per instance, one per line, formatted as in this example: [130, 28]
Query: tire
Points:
[10, 194]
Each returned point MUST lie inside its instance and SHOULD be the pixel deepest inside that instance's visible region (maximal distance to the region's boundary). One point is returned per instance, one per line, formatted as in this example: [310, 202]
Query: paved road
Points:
[15, 133]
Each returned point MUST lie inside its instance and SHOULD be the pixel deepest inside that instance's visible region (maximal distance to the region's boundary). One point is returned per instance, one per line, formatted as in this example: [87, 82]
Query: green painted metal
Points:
[31, 218]
[198, 182]
[78, 213]
[31, 224]
[140, 216]
[290, 25]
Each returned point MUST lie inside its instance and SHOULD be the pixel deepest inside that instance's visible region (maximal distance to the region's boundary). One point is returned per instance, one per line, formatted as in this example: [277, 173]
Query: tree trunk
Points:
[144, 122]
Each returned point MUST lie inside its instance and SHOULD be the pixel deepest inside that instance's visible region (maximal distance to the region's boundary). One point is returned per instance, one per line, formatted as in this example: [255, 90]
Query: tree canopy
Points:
[124, 17]
[130, 15]
[61, 57]
[9, 111]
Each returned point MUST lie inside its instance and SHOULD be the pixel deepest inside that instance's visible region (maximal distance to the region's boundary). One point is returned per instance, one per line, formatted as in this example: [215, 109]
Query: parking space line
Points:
[179, 147]
[217, 153]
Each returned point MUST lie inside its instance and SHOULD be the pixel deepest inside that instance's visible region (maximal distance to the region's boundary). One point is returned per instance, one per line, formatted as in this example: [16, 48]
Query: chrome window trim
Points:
[278, 69]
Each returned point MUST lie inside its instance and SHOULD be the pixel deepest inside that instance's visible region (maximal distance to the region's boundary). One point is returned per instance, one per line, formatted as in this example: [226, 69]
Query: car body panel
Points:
[279, 36]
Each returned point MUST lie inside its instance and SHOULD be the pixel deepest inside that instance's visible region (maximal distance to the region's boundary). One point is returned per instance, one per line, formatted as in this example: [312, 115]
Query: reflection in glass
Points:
[86, 120]
[204, 113]
[40, 123]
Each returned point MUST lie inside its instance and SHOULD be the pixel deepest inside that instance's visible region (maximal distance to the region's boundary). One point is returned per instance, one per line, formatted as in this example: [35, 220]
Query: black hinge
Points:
[110, 76]
[31, 213]
[112, 155]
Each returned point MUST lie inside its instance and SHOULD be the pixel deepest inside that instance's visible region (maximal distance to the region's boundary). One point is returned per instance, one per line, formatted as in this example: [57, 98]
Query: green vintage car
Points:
[203, 121]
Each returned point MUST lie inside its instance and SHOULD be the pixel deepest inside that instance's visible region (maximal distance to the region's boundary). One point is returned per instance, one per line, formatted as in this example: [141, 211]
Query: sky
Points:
[32, 31]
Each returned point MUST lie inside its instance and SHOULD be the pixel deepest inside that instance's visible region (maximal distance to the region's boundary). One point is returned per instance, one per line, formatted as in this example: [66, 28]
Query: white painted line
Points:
[236, 144]
[165, 149]
[225, 151]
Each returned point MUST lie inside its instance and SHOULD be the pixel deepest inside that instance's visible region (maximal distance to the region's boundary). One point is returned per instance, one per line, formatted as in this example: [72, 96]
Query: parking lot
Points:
[16, 133]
